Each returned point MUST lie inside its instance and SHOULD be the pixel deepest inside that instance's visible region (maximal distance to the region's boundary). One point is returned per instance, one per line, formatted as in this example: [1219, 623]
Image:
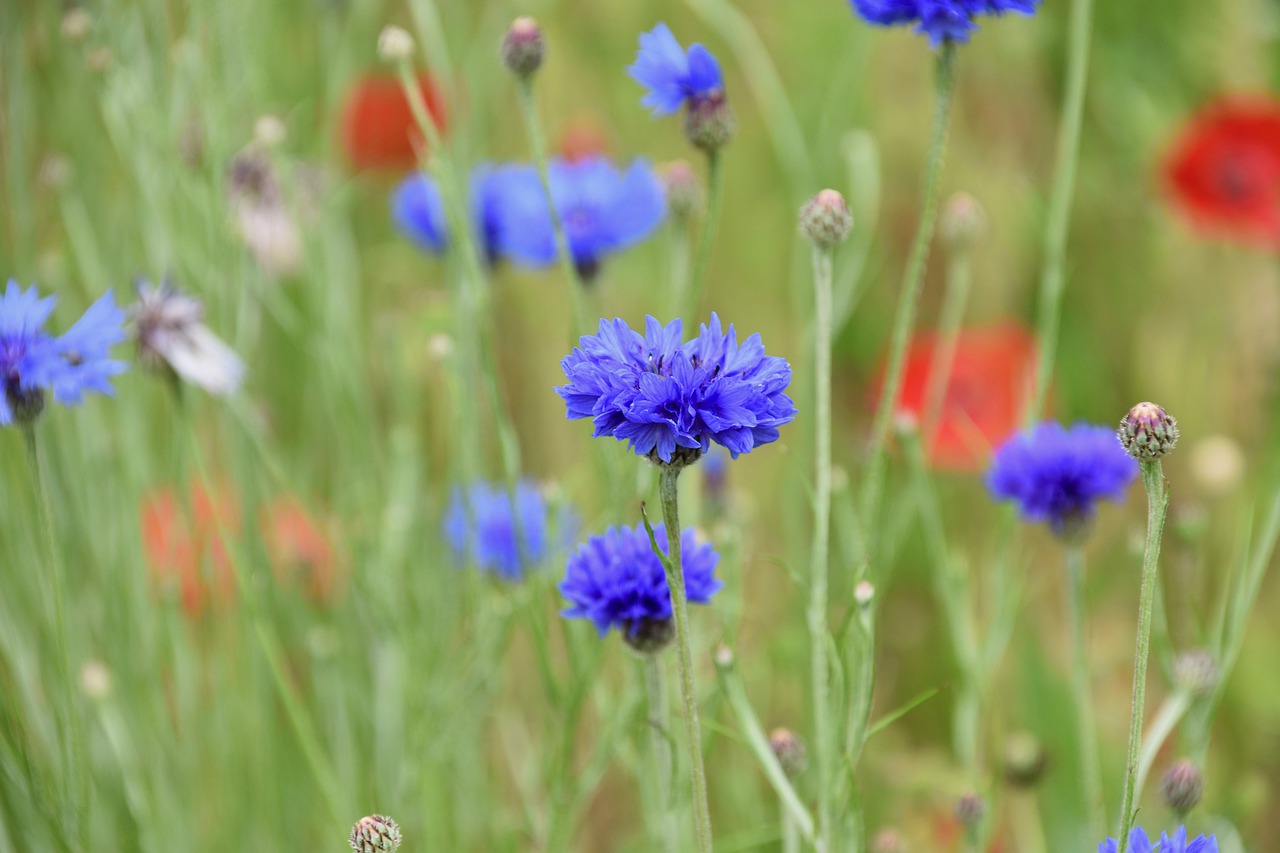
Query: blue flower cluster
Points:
[482, 524]
[616, 580]
[603, 210]
[1058, 474]
[1140, 843]
[941, 20]
[32, 361]
[671, 400]
[673, 75]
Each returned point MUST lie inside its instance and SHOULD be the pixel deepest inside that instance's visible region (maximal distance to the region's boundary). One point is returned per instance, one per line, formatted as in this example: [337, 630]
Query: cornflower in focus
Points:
[940, 20]
[1057, 475]
[1223, 171]
[378, 130]
[33, 362]
[675, 77]
[171, 335]
[617, 581]
[482, 524]
[671, 400]
[1140, 843]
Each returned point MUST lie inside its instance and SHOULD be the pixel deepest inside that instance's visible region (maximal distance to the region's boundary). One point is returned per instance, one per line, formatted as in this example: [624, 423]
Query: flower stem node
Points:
[709, 121]
[963, 222]
[789, 749]
[1148, 432]
[395, 45]
[1196, 672]
[374, 834]
[1182, 786]
[825, 219]
[523, 47]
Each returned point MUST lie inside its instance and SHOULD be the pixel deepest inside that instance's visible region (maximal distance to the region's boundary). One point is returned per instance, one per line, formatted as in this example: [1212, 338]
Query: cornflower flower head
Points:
[672, 400]
[170, 332]
[940, 20]
[1058, 474]
[32, 361]
[1140, 843]
[508, 541]
[615, 580]
[675, 77]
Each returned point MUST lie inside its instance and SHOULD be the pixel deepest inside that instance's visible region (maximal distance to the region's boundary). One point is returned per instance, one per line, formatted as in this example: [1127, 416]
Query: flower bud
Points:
[864, 593]
[1024, 759]
[889, 840]
[650, 636]
[1196, 672]
[1181, 786]
[1148, 432]
[684, 193]
[523, 48]
[76, 24]
[789, 750]
[395, 45]
[724, 656]
[825, 219]
[708, 121]
[374, 834]
[268, 131]
[963, 222]
[970, 810]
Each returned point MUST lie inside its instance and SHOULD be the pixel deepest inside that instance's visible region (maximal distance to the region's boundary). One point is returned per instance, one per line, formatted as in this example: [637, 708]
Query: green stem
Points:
[954, 302]
[912, 284]
[1162, 726]
[1157, 508]
[661, 745]
[702, 261]
[819, 636]
[70, 735]
[529, 112]
[1086, 731]
[667, 488]
[1052, 275]
[680, 268]
[790, 832]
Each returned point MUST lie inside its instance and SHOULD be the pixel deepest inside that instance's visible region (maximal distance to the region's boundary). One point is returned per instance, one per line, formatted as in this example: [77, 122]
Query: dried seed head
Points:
[523, 48]
[825, 219]
[1148, 432]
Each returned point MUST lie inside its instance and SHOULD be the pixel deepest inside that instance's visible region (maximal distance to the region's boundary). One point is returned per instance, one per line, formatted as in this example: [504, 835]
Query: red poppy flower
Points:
[991, 377]
[582, 139]
[301, 552]
[187, 553]
[1224, 169]
[378, 128]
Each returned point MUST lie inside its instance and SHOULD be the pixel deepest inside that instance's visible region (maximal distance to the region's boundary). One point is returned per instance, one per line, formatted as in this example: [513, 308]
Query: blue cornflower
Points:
[1140, 843]
[32, 361]
[672, 75]
[670, 400]
[1058, 474]
[941, 20]
[602, 209]
[616, 581]
[480, 524]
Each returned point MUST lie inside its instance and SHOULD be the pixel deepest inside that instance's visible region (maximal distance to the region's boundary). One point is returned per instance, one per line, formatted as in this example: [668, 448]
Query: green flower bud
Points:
[1148, 432]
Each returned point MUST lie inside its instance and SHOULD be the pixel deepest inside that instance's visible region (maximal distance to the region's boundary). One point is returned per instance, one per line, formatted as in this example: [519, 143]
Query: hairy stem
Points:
[655, 687]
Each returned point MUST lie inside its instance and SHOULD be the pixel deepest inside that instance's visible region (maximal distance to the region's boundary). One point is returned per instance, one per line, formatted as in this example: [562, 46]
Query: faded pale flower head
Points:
[395, 45]
[170, 332]
[259, 214]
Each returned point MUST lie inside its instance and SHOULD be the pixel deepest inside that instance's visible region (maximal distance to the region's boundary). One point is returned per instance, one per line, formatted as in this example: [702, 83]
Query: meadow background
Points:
[424, 684]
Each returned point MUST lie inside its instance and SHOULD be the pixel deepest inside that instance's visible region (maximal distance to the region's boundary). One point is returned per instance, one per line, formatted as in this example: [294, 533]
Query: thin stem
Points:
[70, 735]
[1157, 508]
[1162, 726]
[819, 636]
[912, 284]
[667, 489]
[1086, 731]
[661, 745]
[702, 261]
[954, 302]
[1052, 275]
[680, 267]
[790, 832]
[529, 112]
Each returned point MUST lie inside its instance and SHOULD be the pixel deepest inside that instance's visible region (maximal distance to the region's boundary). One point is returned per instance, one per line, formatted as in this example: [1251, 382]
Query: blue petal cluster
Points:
[616, 580]
[481, 524]
[659, 394]
[672, 75]
[31, 360]
[941, 20]
[1140, 843]
[1058, 474]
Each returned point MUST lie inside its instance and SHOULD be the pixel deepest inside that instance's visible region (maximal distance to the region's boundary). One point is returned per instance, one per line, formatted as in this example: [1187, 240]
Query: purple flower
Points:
[32, 361]
[1140, 843]
[1058, 474]
[673, 76]
[941, 20]
[670, 400]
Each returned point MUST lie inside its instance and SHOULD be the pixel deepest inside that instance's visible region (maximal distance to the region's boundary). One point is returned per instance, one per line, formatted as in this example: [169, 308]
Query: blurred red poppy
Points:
[187, 554]
[582, 139]
[378, 129]
[301, 552]
[1223, 171]
[991, 377]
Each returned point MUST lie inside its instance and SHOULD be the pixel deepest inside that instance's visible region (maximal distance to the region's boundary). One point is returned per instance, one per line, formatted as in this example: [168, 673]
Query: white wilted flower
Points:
[260, 216]
[170, 331]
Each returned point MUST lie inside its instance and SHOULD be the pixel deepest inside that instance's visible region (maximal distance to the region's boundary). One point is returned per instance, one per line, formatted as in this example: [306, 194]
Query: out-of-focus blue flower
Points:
[670, 400]
[601, 208]
[32, 361]
[941, 20]
[672, 75]
[616, 580]
[418, 211]
[1058, 474]
[1140, 843]
[481, 525]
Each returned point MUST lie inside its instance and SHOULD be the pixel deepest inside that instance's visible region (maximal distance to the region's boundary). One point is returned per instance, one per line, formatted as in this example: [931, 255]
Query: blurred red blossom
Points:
[302, 553]
[582, 139]
[378, 128]
[1223, 171]
[184, 545]
[989, 384]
